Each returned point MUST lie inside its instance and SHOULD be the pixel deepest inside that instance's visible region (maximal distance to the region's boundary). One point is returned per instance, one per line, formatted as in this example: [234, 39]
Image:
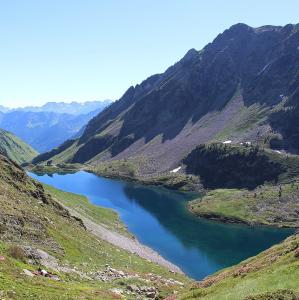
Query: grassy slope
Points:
[129, 170]
[30, 217]
[15, 148]
[271, 203]
[126, 170]
[239, 166]
[267, 205]
[276, 268]
[263, 277]
[97, 214]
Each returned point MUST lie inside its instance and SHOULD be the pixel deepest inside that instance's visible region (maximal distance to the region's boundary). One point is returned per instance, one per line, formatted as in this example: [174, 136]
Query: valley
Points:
[187, 187]
[158, 218]
[46, 127]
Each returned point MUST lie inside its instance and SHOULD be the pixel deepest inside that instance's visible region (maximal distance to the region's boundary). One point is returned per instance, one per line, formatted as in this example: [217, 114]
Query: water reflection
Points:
[159, 219]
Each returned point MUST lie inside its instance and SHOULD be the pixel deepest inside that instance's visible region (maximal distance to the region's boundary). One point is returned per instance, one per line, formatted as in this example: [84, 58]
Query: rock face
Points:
[228, 89]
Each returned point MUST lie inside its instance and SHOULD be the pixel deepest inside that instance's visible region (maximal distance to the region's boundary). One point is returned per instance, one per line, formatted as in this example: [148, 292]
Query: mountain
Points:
[73, 108]
[45, 130]
[45, 228]
[14, 148]
[236, 88]
[3, 109]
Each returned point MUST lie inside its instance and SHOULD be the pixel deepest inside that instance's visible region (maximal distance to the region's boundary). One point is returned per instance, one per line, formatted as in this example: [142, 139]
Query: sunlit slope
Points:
[36, 231]
[271, 275]
[15, 148]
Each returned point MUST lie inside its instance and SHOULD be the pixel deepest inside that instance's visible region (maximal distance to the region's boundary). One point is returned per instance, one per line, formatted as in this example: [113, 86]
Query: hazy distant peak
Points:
[3, 109]
[72, 108]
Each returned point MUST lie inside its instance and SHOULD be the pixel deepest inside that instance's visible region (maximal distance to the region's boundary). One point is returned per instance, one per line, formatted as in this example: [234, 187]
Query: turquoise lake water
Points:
[160, 220]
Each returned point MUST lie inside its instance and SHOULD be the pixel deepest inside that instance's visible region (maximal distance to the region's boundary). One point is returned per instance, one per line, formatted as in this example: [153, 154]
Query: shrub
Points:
[2, 228]
[17, 252]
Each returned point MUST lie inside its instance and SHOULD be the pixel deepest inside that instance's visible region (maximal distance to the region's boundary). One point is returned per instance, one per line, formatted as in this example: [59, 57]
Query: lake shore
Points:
[131, 245]
[159, 219]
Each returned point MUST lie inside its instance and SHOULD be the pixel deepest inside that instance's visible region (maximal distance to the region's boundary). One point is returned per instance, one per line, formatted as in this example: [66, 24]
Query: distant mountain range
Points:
[242, 87]
[73, 108]
[46, 127]
[4, 109]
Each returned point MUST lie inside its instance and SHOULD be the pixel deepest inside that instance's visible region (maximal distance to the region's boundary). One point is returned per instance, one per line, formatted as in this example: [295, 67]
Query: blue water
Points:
[159, 219]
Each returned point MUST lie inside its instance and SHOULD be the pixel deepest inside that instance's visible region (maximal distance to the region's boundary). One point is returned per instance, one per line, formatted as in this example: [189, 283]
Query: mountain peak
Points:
[190, 55]
[189, 104]
[238, 29]
[240, 26]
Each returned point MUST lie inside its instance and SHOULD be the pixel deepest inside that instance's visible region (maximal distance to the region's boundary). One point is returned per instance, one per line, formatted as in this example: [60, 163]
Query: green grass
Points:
[97, 214]
[175, 181]
[274, 271]
[267, 205]
[31, 217]
[129, 170]
[15, 148]
[15, 285]
[116, 169]
[52, 169]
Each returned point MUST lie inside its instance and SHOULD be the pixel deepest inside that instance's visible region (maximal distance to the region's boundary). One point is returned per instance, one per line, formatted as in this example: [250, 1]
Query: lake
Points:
[160, 220]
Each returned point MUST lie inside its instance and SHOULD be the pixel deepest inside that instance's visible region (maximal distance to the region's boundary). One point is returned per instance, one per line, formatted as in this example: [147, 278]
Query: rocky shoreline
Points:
[131, 245]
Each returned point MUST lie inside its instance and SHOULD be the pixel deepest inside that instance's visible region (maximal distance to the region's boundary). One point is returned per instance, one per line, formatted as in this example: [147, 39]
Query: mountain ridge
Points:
[72, 108]
[45, 130]
[227, 90]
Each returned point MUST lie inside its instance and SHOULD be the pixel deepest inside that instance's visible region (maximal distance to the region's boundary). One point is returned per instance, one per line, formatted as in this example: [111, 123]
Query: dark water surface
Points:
[159, 219]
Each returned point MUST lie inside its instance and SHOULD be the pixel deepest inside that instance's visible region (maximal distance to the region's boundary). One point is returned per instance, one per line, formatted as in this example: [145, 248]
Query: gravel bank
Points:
[126, 243]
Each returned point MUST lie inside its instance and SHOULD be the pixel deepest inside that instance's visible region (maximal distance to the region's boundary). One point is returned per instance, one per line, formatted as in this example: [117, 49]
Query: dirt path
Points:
[126, 243]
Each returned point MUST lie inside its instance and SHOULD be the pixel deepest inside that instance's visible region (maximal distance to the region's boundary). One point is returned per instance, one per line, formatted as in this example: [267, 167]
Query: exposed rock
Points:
[35, 254]
[149, 292]
[151, 295]
[28, 273]
[133, 288]
[111, 274]
[117, 291]
[159, 279]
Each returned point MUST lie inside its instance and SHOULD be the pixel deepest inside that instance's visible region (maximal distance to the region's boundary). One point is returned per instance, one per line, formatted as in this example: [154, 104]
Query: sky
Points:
[82, 50]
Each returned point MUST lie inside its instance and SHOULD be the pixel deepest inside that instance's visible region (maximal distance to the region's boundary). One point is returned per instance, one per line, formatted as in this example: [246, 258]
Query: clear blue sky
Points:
[63, 50]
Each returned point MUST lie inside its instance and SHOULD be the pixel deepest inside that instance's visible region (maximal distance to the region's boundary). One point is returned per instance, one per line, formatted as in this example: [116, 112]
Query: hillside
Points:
[234, 89]
[15, 148]
[240, 166]
[245, 184]
[42, 228]
[273, 274]
[274, 205]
